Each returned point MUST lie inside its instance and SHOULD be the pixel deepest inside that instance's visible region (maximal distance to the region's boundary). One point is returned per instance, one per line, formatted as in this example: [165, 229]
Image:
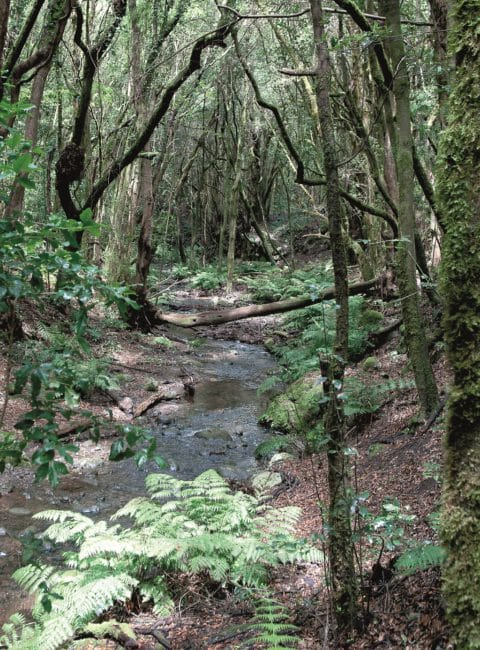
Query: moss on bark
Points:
[459, 196]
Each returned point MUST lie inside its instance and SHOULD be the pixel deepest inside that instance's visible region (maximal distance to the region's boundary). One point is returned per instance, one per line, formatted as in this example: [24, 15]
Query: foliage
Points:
[210, 278]
[386, 529]
[197, 526]
[277, 284]
[296, 409]
[272, 445]
[299, 410]
[420, 557]
[270, 623]
[41, 263]
[315, 332]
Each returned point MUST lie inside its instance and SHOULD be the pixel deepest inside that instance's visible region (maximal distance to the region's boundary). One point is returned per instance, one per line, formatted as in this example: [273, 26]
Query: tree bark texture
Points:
[458, 192]
[406, 256]
[340, 544]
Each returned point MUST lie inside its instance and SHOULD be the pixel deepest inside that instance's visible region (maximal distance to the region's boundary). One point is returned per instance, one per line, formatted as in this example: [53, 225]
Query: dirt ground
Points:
[391, 461]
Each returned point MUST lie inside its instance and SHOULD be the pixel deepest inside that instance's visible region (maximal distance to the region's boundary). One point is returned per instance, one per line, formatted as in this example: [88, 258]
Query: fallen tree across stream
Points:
[250, 311]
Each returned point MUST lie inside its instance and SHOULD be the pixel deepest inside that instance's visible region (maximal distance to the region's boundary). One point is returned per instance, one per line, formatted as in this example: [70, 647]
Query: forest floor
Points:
[391, 462]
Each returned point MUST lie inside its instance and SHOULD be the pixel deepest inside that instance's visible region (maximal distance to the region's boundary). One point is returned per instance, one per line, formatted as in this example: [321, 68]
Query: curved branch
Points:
[19, 44]
[216, 39]
[300, 167]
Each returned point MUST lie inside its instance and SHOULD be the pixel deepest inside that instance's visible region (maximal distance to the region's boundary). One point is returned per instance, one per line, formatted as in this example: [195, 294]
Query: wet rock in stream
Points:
[214, 434]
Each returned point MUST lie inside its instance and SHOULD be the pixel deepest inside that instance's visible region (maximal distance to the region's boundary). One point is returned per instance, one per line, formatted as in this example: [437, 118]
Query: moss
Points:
[371, 317]
[370, 363]
[459, 200]
[299, 407]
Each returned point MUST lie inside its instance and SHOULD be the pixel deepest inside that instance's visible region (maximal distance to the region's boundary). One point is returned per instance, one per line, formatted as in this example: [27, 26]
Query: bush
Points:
[197, 526]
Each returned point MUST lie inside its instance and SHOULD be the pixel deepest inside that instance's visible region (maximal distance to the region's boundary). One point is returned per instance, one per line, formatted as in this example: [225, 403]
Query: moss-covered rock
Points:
[298, 408]
[370, 363]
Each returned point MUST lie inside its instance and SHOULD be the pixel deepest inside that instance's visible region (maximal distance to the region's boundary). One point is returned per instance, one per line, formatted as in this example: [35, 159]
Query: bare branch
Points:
[298, 73]
[329, 10]
[257, 16]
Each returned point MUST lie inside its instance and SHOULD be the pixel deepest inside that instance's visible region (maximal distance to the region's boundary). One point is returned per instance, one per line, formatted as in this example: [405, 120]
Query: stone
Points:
[299, 407]
[280, 458]
[266, 481]
[21, 512]
[126, 404]
[214, 434]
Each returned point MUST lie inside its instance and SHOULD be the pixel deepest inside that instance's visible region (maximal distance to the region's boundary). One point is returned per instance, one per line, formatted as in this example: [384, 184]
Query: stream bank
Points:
[215, 428]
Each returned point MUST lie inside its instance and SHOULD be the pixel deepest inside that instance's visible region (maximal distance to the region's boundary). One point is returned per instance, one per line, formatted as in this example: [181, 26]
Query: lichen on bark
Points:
[458, 191]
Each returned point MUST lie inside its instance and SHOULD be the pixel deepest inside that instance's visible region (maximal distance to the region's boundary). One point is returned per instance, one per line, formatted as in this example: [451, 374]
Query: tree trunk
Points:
[406, 256]
[251, 311]
[340, 545]
[459, 196]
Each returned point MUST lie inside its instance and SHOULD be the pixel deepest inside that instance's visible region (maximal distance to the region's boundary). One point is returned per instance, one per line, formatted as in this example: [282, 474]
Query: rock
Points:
[21, 512]
[238, 430]
[266, 481]
[214, 434]
[3, 532]
[118, 415]
[281, 457]
[90, 510]
[126, 404]
[370, 363]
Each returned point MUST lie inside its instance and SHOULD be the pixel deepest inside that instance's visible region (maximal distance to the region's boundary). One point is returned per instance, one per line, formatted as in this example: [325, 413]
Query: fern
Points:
[420, 557]
[197, 526]
[272, 445]
[270, 623]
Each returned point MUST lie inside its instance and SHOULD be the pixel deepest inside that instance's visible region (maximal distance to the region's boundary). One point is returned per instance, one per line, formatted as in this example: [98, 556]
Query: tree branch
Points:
[329, 10]
[300, 168]
[250, 311]
[216, 39]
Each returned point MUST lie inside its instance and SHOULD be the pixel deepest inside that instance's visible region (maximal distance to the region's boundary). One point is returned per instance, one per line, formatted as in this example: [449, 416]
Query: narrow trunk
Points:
[341, 548]
[406, 255]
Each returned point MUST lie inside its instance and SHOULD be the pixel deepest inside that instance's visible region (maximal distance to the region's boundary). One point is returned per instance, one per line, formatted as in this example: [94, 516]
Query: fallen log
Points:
[75, 426]
[250, 311]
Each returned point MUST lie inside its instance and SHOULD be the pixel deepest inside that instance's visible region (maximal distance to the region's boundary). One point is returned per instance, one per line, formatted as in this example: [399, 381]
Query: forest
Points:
[239, 308]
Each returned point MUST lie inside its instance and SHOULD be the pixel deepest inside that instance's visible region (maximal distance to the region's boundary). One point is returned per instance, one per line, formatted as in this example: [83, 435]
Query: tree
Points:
[340, 544]
[459, 195]
[406, 254]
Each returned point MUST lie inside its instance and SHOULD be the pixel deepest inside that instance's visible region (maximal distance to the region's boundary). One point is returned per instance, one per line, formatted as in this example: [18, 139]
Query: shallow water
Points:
[216, 429]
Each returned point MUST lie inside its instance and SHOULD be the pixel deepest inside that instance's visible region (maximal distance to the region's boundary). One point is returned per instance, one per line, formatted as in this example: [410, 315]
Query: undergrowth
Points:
[194, 527]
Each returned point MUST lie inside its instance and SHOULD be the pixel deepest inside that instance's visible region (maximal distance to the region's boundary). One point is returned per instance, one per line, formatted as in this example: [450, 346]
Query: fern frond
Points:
[270, 620]
[421, 557]
[142, 510]
[30, 577]
[157, 591]
[109, 545]
[55, 633]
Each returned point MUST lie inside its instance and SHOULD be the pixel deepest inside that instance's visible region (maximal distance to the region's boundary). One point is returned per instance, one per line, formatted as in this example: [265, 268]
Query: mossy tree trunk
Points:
[406, 254]
[341, 548]
[459, 195]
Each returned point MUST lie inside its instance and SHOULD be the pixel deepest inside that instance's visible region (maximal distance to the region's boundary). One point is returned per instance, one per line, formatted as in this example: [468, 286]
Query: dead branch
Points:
[250, 311]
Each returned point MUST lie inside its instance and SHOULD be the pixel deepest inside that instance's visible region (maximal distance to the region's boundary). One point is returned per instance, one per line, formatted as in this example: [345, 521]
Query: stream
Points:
[216, 429]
